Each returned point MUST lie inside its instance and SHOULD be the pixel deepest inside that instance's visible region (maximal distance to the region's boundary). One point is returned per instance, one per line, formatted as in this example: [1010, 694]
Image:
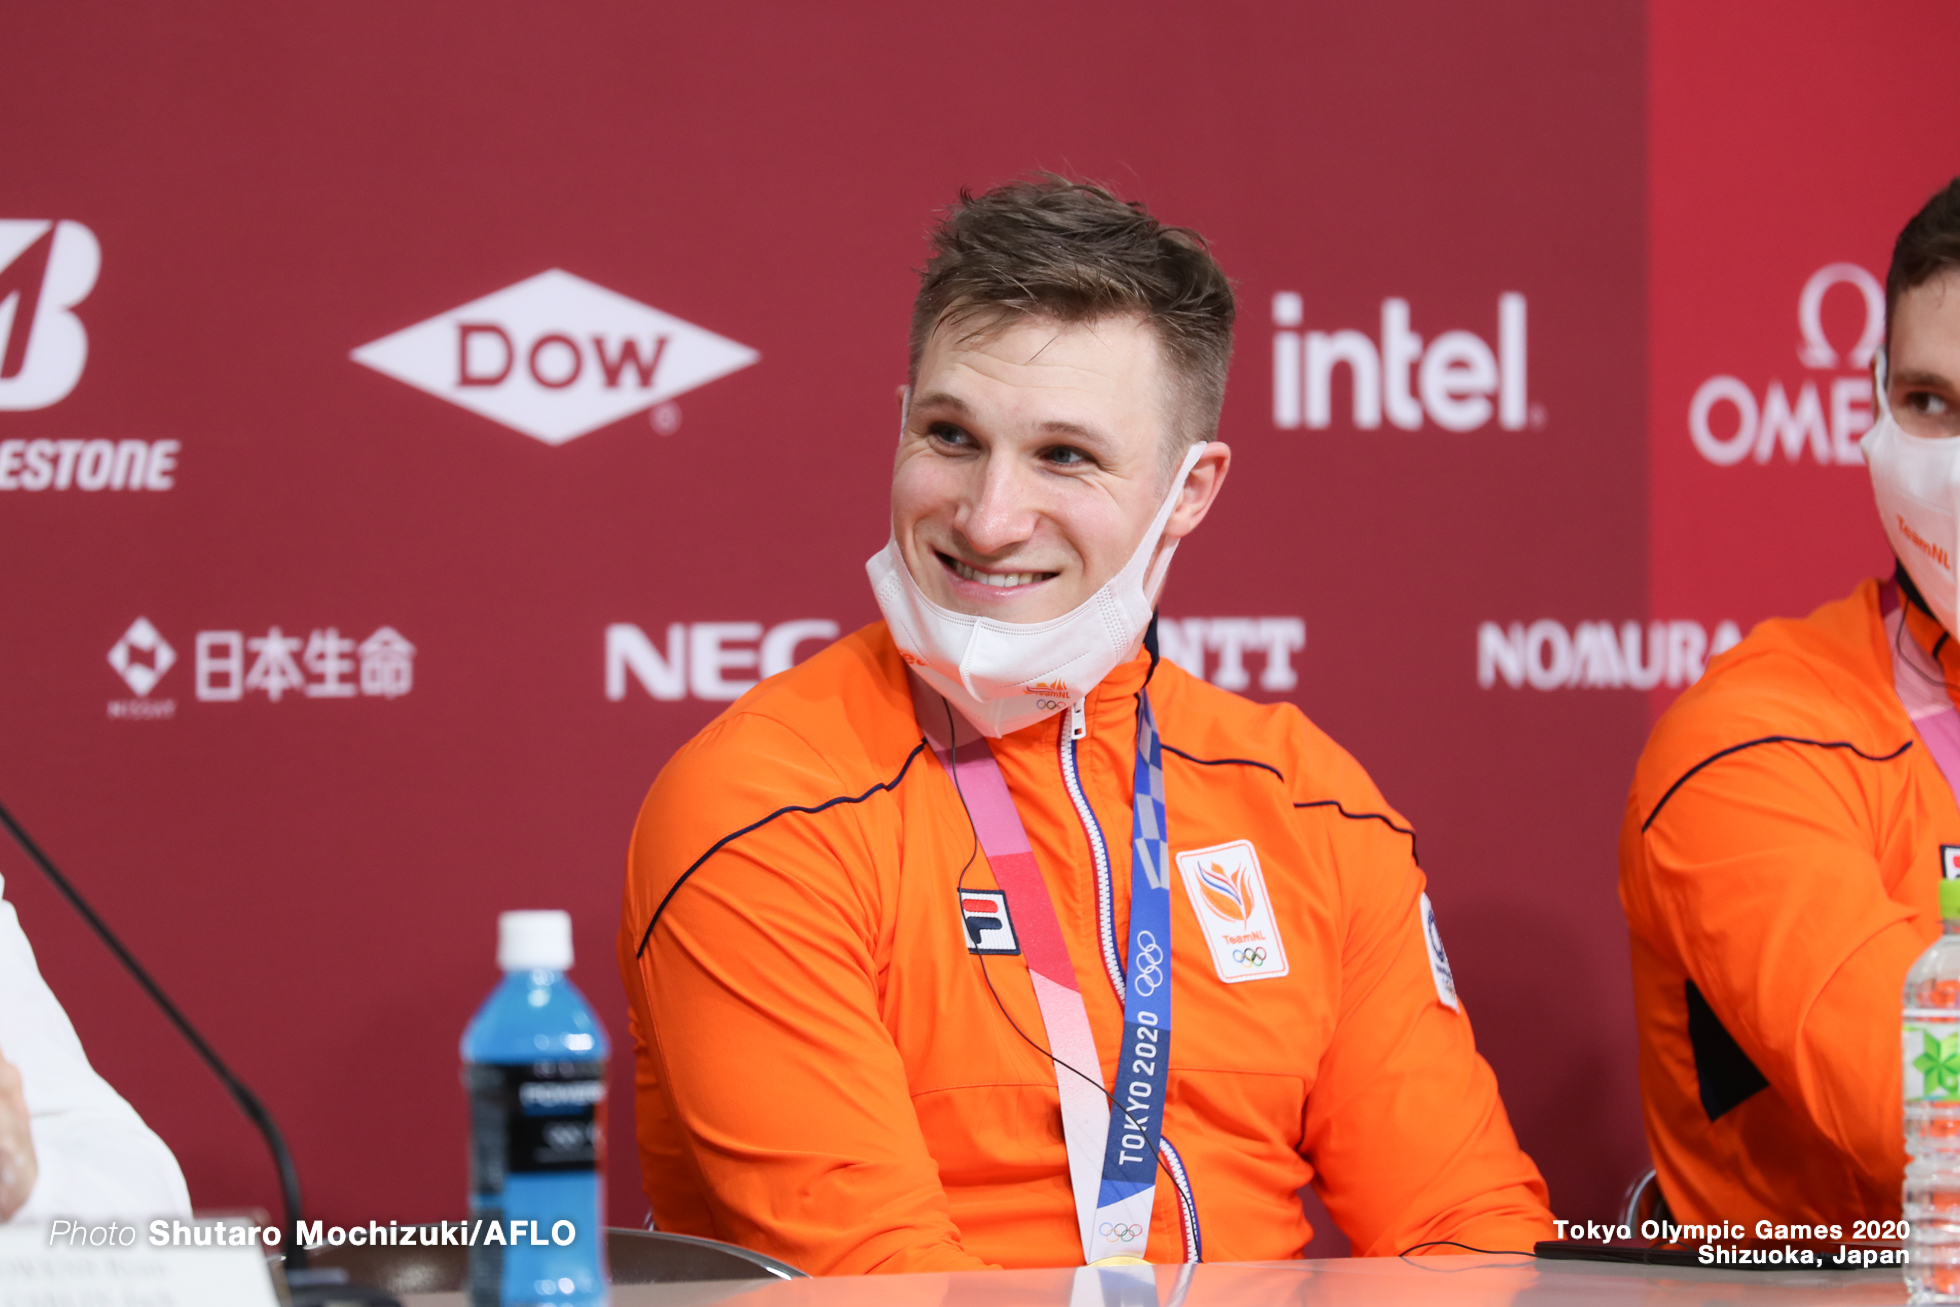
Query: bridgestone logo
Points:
[88, 464]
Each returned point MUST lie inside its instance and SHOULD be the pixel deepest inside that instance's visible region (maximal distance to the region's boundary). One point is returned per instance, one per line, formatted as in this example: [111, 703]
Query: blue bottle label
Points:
[536, 1127]
[539, 1116]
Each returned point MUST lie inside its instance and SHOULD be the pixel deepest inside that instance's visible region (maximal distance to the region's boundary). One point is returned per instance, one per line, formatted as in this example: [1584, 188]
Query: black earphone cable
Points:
[1451, 1243]
[960, 884]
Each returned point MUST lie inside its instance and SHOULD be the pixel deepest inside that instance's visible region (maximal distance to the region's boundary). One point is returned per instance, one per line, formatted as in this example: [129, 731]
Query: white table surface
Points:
[1351, 1282]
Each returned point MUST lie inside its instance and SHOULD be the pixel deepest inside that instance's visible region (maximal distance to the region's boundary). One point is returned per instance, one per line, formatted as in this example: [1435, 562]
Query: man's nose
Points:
[999, 510]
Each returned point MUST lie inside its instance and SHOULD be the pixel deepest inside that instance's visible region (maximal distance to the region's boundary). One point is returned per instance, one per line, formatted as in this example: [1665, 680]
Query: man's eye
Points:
[1924, 401]
[1065, 456]
[948, 433]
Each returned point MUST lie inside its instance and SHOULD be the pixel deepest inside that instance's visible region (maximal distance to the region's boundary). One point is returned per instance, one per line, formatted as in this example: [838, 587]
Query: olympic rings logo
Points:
[1120, 1233]
[1148, 963]
[1249, 957]
[1051, 705]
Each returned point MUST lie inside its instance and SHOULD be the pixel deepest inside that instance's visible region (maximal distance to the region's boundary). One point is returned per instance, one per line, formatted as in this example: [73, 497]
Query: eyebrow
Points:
[1058, 427]
[1053, 426]
[940, 399]
[1922, 380]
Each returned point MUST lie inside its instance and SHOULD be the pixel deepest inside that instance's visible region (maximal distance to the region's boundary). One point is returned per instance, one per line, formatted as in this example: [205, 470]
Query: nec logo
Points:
[700, 655]
[46, 269]
[555, 356]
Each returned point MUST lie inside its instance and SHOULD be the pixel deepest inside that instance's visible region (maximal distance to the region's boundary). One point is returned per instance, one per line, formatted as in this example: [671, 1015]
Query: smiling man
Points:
[1792, 834]
[986, 938]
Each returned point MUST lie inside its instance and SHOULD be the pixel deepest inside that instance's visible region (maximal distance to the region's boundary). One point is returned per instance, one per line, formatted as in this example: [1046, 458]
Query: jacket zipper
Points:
[1078, 728]
[1098, 850]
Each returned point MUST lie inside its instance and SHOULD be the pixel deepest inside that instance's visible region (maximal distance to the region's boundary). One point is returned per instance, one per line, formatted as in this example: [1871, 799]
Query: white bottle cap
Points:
[530, 941]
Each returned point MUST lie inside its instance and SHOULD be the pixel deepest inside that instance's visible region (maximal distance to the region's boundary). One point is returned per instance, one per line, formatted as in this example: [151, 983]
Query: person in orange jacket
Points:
[1788, 826]
[987, 938]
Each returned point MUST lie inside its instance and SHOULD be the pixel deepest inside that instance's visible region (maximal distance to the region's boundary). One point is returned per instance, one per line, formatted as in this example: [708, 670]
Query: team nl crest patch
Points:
[988, 927]
[1228, 894]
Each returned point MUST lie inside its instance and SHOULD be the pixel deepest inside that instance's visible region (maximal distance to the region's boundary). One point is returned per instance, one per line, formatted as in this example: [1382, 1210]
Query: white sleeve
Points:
[95, 1156]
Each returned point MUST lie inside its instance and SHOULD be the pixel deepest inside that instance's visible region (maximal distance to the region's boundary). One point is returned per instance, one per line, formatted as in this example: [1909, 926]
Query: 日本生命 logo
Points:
[1227, 890]
[322, 664]
[556, 356]
[230, 666]
[142, 656]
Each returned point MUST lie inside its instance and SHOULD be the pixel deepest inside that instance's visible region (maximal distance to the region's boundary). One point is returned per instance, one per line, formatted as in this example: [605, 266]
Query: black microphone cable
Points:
[248, 1102]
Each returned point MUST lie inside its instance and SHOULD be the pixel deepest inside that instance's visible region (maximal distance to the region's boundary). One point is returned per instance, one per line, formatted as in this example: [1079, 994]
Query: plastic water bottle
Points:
[534, 1061]
[1932, 1111]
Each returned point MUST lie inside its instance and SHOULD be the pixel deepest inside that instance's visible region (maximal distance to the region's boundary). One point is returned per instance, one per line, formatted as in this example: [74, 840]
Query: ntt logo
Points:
[1597, 655]
[1192, 642]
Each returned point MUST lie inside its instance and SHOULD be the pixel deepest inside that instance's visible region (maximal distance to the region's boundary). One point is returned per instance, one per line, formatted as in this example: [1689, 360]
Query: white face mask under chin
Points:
[1916, 481]
[1004, 676]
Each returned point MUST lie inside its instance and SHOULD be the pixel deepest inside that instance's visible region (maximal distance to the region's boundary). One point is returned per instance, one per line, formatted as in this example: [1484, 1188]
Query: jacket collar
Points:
[1111, 701]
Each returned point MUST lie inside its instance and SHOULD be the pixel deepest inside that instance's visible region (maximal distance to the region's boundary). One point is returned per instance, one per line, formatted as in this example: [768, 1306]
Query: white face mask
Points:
[1004, 676]
[1916, 481]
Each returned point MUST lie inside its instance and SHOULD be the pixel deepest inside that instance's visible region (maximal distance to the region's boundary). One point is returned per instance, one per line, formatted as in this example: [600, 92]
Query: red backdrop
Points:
[311, 852]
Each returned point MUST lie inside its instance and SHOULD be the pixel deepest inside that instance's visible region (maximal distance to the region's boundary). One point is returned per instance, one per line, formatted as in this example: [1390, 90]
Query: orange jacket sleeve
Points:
[1404, 1125]
[1762, 872]
[798, 1128]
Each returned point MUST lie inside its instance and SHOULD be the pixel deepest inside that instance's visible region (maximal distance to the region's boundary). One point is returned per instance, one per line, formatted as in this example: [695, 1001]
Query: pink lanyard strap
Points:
[1920, 682]
[1004, 841]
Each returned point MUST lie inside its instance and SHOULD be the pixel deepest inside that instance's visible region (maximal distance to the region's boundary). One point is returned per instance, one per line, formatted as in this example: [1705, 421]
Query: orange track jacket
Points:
[825, 1073]
[1779, 865]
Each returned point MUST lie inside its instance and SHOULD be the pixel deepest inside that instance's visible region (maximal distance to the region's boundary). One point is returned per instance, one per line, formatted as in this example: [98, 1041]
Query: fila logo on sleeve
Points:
[1228, 896]
[988, 927]
[1950, 862]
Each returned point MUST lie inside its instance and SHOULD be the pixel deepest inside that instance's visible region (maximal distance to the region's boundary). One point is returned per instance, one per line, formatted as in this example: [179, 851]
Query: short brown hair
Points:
[1927, 246]
[1053, 248]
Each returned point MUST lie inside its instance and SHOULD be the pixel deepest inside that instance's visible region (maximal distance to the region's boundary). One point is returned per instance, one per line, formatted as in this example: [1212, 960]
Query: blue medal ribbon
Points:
[1136, 1118]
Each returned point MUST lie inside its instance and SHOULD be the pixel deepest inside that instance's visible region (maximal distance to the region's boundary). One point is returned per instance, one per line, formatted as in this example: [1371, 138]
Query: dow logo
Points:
[555, 356]
[46, 269]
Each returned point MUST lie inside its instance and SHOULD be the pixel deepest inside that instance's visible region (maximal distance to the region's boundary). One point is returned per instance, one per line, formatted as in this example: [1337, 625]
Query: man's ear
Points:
[904, 408]
[1199, 491]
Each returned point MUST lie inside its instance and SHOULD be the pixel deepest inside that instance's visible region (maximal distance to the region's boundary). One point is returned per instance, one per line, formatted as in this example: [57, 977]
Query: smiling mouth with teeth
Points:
[1000, 580]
